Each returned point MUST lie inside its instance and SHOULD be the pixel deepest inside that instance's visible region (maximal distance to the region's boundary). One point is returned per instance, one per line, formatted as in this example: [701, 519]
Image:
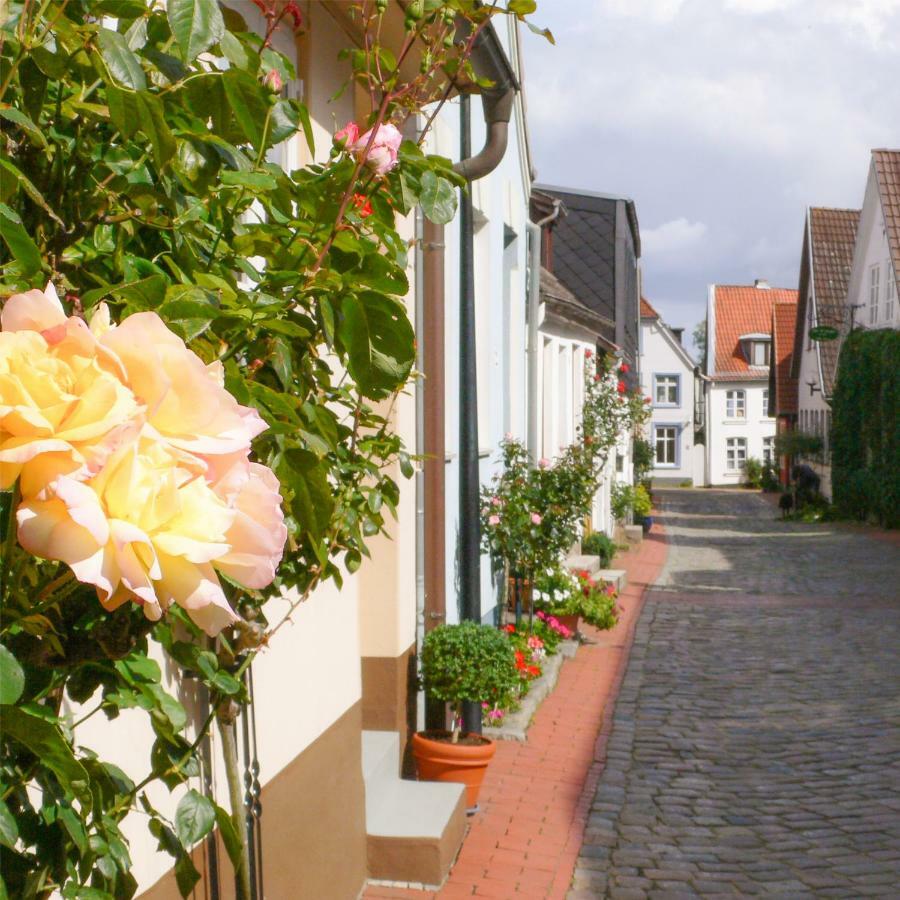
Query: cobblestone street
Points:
[756, 739]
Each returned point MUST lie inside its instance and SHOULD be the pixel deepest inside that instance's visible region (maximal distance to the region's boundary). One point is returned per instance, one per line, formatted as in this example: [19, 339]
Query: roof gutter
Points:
[489, 62]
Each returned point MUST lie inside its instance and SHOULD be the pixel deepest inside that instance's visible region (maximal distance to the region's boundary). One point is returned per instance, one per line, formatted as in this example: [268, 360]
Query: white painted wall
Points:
[660, 357]
[756, 426]
[872, 251]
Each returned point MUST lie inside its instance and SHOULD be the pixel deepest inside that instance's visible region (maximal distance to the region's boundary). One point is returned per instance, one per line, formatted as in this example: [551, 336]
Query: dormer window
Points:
[757, 349]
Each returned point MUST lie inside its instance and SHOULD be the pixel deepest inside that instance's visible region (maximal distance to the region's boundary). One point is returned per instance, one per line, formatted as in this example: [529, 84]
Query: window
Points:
[666, 439]
[736, 404]
[667, 389]
[735, 454]
[874, 289]
[766, 403]
[769, 449]
[759, 353]
[890, 293]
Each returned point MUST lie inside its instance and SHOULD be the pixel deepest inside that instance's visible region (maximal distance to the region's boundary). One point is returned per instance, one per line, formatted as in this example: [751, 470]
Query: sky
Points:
[722, 119]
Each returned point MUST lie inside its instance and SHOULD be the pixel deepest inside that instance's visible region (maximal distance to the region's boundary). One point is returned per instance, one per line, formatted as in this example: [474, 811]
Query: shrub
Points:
[642, 457]
[468, 661]
[622, 500]
[642, 504]
[753, 472]
[598, 544]
[770, 479]
[866, 427]
[597, 602]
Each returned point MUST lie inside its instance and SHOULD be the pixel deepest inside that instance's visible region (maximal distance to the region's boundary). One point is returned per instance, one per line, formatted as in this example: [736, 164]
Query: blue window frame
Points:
[666, 389]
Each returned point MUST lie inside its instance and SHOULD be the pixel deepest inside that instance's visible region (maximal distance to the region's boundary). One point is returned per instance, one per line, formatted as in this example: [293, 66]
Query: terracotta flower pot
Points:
[441, 760]
[570, 621]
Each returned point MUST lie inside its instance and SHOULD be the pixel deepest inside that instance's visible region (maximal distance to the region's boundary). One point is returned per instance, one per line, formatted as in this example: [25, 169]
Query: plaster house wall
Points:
[755, 427]
[872, 250]
[813, 410]
[660, 357]
[501, 263]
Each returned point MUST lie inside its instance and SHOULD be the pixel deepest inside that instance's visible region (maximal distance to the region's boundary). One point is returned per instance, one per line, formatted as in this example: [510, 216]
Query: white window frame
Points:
[735, 454]
[768, 448]
[736, 404]
[765, 403]
[675, 441]
[890, 293]
[874, 292]
[766, 347]
[667, 381]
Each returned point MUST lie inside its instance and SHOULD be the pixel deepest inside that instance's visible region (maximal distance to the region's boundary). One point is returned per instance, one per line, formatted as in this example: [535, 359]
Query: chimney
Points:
[678, 332]
[762, 284]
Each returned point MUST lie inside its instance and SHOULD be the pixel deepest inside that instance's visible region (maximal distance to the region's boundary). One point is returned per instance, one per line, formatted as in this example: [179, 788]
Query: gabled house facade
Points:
[872, 292]
[669, 378]
[739, 352]
[782, 386]
[829, 240]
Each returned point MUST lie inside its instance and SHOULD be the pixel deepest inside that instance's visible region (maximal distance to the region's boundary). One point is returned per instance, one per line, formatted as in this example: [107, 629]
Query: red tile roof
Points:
[828, 245]
[784, 323]
[887, 171]
[739, 310]
[647, 311]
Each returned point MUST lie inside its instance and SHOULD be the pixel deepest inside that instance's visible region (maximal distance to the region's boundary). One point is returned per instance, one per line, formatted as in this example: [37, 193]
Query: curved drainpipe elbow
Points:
[497, 105]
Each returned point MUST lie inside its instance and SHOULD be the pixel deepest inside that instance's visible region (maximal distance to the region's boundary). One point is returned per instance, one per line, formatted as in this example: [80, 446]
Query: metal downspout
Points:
[535, 232]
[497, 104]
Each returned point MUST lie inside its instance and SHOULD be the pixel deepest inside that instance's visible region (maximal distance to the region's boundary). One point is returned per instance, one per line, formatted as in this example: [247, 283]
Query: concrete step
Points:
[414, 829]
[580, 562]
[618, 577]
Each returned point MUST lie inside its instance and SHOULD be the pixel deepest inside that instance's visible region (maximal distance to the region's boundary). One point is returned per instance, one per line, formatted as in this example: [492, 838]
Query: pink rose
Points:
[381, 156]
[348, 135]
[544, 463]
[536, 519]
[273, 82]
[494, 520]
[496, 501]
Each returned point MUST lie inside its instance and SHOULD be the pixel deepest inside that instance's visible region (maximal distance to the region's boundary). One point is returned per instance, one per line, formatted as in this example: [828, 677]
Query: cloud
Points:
[672, 237]
[723, 119]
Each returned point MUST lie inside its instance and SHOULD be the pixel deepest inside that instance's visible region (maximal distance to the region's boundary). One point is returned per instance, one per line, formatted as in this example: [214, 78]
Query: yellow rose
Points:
[61, 393]
[144, 528]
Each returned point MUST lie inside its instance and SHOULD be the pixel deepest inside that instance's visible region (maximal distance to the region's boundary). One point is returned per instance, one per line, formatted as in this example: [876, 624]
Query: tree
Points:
[698, 336]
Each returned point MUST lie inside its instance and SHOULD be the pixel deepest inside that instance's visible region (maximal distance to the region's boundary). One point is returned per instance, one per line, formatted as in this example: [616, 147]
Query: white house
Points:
[872, 290]
[829, 238]
[668, 378]
[738, 352]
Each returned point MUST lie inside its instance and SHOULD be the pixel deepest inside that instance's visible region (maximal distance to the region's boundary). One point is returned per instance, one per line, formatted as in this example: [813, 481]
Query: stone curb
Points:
[515, 726]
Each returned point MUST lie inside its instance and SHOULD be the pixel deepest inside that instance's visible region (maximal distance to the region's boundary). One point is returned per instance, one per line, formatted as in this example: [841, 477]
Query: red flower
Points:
[588, 354]
[363, 205]
[620, 387]
[624, 368]
[510, 629]
[597, 377]
[534, 671]
[646, 399]
[293, 11]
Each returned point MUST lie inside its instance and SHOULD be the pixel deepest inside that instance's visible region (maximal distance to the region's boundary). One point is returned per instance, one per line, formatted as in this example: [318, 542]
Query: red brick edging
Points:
[536, 798]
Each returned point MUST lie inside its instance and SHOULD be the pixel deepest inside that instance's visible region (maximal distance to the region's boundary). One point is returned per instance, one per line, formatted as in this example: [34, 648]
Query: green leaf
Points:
[522, 7]
[379, 340]
[438, 198]
[194, 818]
[249, 103]
[313, 501]
[47, 743]
[21, 246]
[17, 117]
[10, 171]
[196, 25]
[186, 875]
[133, 111]
[230, 838]
[12, 678]
[259, 181]
[122, 63]
[9, 830]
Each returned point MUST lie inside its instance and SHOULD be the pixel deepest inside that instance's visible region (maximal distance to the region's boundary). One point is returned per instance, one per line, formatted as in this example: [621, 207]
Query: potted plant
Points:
[463, 662]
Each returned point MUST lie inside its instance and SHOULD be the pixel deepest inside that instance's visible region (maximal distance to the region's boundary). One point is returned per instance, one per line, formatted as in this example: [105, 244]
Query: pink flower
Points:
[536, 519]
[535, 642]
[348, 135]
[496, 501]
[381, 156]
[494, 520]
[544, 463]
[273, 82]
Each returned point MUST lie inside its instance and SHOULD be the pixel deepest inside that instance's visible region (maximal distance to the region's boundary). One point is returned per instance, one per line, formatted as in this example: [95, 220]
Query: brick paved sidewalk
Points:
[524, 842]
